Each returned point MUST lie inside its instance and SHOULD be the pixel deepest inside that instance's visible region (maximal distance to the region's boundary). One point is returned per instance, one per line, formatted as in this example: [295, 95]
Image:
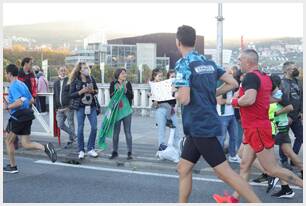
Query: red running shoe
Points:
[225, 199]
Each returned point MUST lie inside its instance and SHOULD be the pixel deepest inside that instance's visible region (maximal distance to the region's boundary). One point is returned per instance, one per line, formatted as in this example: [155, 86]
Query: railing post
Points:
[106, 95]
[100, 96]
[136, 98]
[143, 102]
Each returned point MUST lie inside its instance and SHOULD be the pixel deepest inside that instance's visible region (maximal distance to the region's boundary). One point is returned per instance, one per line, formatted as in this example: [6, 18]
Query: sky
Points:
[253, 20]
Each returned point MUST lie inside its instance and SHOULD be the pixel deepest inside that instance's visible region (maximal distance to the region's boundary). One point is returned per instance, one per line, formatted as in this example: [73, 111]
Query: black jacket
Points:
[75, 87]
[292, 94]
[129, 93]
[66, 100]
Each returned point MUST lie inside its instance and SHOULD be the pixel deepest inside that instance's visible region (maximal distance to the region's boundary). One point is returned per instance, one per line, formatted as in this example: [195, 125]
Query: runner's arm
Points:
[229, 84]
[248, 98]
[16, 104]
[285, 109]
[221, 100]
[183, 95]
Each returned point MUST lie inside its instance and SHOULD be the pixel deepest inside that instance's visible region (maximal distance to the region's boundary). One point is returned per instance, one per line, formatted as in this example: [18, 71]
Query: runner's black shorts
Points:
[19, 128]
[282, 138]
[209, 148]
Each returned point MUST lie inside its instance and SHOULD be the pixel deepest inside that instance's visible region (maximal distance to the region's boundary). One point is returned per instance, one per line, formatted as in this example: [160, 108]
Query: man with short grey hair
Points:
[253, 100]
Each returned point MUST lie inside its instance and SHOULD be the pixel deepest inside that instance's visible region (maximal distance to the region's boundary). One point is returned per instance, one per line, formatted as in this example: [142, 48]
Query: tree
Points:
[108, 74]
[146, 73]
[96, 73]
[132, 74]
[5, 63]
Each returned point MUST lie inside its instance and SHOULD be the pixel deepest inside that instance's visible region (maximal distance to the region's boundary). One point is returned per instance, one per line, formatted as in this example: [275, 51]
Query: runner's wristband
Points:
[235, 102]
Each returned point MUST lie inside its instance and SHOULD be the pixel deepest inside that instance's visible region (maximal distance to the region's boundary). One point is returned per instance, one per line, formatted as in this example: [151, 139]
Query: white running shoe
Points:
[92, 153]
[81, 155]
[235, 159]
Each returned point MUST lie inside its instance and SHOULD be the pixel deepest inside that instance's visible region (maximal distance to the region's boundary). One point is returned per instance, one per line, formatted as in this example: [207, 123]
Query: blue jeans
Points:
[229, 123]
[161, 118]
[297, 129]
[92, 117]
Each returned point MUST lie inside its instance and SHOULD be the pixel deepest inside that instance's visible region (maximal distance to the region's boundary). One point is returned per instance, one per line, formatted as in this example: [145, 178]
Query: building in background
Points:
[163, 62]
[117, 55]
[146, 54]
[97, 37]
[87, 56]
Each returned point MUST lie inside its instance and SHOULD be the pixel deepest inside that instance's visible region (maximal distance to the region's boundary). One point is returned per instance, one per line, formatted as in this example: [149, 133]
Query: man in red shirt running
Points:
[254, 99]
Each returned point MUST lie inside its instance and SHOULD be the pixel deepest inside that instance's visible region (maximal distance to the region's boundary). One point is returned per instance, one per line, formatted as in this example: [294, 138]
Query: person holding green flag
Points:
[119, 110]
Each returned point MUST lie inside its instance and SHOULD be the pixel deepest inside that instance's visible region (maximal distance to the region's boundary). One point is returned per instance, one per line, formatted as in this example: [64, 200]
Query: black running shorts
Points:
[19, 128]
[209, 148]
[282, 138]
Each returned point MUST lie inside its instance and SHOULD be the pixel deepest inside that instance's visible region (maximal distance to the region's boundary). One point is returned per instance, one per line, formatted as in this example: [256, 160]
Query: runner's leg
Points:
[268, 161]
[184, 169]
[9, 140]
[248, 157]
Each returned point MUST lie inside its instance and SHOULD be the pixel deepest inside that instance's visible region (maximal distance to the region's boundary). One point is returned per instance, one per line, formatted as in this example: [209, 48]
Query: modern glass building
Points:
[163, 62]
[87, 56]
[119, 55]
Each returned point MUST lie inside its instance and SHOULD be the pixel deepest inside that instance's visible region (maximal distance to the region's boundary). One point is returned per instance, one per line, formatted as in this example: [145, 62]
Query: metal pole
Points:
[102, 68]
[220, 35]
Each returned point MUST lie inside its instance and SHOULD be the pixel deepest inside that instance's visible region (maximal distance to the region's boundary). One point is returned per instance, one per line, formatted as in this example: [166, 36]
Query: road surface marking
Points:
[142, 173]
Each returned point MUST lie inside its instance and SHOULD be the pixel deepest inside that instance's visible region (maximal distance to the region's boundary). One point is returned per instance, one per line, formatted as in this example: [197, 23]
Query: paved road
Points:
[57, 183]
[41, 181]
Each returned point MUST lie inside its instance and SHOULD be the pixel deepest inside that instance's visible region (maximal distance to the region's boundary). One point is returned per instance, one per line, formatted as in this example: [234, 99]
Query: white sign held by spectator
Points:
[162, 91]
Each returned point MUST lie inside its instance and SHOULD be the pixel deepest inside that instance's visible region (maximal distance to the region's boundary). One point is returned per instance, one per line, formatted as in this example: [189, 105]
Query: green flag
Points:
[110, 117]
[117, 109]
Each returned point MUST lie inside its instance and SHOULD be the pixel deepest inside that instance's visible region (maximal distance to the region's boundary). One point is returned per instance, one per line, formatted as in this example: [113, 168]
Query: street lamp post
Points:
[220, 35]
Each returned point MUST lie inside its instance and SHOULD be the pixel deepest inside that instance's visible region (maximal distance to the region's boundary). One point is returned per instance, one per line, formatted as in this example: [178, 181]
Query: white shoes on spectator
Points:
[235, 159]
[92, 153]
[81, 155]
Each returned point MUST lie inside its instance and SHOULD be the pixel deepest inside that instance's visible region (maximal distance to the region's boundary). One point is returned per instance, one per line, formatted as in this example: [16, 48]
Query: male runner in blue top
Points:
[196, 80]
[20, 122]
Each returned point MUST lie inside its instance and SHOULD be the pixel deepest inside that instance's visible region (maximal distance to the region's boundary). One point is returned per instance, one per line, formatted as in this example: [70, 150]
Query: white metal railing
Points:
[48, 127]
[141, 101]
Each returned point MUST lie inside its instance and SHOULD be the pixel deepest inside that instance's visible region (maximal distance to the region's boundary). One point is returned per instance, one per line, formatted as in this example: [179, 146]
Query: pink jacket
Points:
[42, 84]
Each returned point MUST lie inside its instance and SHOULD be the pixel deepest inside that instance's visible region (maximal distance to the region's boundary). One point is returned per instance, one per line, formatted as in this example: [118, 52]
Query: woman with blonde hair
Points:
[83, 89]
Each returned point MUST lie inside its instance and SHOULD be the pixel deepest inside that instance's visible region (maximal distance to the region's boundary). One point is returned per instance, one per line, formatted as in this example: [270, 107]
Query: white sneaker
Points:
[235, 159]
[81, 155]
[92, 153]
